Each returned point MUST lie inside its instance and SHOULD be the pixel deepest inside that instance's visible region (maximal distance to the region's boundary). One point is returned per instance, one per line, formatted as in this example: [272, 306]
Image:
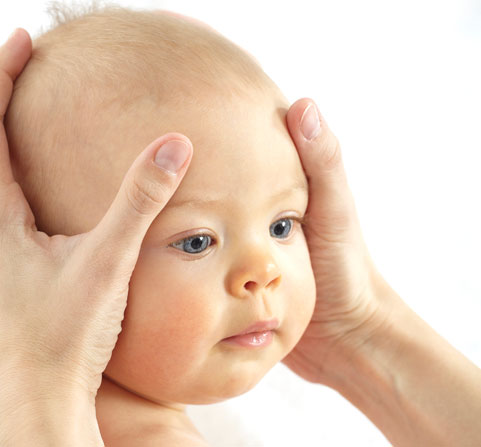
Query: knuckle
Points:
[145, 196]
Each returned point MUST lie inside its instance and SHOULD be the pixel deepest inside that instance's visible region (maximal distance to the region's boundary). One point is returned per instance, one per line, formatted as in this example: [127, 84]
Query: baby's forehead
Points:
[98, 89]
[241, 146]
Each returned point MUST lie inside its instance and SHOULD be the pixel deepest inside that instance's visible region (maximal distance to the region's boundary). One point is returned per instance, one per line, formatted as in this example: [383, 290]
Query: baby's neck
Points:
[126, 419]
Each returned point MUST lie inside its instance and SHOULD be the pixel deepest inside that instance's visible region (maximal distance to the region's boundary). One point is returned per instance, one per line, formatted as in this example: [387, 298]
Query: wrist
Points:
[42, 409]
[367, 341]
[408, 380]
[369, 365]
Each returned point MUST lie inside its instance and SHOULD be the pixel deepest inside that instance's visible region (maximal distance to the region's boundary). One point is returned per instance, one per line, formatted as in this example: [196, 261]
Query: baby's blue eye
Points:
[198, 243]
[193, 244]
[282, 226]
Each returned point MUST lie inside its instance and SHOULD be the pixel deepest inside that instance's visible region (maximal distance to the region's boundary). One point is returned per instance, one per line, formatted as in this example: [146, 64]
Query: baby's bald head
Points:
[80, 104]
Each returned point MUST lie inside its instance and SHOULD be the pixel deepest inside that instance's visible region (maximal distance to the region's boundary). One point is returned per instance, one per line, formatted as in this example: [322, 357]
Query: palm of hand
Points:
[62, 274]
[62, 299]
[342, 270]
[346, 309]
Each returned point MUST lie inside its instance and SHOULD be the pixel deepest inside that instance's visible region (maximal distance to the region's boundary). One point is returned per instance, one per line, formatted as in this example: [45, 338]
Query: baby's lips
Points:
[259, 326]
[251, 340]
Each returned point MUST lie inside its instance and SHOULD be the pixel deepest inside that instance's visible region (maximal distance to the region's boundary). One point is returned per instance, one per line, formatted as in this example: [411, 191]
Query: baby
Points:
[228, 250]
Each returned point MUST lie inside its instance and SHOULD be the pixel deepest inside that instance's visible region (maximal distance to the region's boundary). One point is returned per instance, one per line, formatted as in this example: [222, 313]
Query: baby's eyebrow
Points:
[300, 186]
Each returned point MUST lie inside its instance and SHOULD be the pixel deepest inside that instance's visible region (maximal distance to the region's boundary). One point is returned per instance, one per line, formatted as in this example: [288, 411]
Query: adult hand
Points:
[346, 311]
[363, 340]
[62, 299]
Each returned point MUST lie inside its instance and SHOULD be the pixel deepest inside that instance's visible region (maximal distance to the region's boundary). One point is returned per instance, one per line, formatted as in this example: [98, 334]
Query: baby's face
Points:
[224, 253]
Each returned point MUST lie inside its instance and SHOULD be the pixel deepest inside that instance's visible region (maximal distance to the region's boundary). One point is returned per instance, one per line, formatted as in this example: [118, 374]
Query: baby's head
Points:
[227, 250]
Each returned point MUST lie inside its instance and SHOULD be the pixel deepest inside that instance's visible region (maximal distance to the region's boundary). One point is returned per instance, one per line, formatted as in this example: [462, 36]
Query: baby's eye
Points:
[193, 244]
[281, 228]
[198, 243]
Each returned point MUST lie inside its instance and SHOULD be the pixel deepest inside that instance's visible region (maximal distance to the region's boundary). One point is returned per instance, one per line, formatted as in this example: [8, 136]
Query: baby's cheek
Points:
[301, 298]
[166, 330]
[182, 324]
[178, 327]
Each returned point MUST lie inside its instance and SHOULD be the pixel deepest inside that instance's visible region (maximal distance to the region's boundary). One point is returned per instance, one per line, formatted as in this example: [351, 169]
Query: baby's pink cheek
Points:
[186, 324]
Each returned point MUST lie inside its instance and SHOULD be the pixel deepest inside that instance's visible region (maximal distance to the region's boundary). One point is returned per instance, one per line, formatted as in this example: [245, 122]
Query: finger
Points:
[331, 203]
[144, 192]
[14, 54]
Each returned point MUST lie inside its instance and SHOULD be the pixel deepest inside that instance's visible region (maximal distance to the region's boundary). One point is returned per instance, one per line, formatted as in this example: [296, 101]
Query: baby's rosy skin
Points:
[180, 305]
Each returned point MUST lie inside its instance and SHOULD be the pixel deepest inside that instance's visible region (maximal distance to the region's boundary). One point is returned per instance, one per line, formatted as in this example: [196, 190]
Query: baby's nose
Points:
[255, 278]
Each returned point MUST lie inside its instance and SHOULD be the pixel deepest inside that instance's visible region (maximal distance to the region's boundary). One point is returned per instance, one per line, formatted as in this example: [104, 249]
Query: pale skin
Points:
[417, 390]
[181, 306]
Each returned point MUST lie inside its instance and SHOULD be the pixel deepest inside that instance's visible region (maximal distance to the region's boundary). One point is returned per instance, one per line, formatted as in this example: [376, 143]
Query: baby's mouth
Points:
[251, 340]
[258, 334]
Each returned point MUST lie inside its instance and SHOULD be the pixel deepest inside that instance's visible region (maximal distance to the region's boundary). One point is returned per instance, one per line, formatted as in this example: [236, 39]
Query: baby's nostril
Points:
[250, 285]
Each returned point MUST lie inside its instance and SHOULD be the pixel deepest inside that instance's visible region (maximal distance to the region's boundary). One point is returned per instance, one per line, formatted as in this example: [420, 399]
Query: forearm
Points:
[41, 413]
[412, 384]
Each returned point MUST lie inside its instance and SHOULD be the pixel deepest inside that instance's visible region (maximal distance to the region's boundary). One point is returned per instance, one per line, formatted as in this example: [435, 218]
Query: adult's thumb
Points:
[331, 205]
[145, 190]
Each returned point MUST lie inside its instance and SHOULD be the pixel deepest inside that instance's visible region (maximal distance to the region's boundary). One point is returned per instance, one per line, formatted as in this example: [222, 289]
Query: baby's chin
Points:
[231, 385]
[236, 378]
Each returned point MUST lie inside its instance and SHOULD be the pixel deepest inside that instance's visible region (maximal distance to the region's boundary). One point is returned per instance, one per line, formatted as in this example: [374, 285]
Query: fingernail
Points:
[310, 123]
[172, 155]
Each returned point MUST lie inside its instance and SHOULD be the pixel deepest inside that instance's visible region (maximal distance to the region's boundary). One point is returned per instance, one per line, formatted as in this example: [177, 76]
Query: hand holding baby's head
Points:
[227, 250]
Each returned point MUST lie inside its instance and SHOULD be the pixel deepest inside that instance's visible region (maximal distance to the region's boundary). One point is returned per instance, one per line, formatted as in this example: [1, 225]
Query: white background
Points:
[400, 85]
